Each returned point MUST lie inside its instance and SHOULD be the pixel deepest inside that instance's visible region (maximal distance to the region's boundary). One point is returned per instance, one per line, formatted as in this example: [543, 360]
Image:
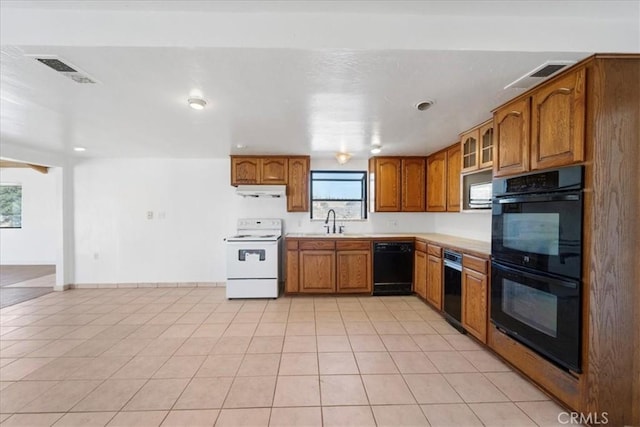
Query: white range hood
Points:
[261, 190]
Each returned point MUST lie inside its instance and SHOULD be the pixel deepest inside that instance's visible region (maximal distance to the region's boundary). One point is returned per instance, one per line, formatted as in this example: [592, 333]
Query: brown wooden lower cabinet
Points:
[474, 303]
[353, 271]
[293, 270]
[434, 281]
[317, 271]
[420, 274]
[327, 266]
[475, 295]
[563, 385]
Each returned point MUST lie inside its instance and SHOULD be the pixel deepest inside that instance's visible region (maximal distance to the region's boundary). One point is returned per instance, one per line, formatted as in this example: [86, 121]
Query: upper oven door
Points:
[542, 232]
[252, 260]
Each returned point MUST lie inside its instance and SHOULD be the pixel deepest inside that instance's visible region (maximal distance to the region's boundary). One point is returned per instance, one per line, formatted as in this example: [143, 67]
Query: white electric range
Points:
[254, 267]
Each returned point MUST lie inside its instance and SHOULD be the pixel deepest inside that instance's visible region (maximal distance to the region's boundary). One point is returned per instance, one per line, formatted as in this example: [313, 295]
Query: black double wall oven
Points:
[536, 250]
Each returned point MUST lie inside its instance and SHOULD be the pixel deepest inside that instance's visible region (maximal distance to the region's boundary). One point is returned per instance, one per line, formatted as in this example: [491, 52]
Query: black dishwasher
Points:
[453, 289]
[392, 268]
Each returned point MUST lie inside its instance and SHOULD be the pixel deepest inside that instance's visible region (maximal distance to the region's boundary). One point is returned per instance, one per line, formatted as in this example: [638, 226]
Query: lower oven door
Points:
[540, 311]
[252, 260]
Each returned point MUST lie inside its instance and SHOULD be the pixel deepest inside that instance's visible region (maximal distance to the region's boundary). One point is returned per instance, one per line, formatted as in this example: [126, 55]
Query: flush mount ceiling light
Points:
[425, 105]
[376, 149]
[343, 158]
[196, 103]
[79, 149]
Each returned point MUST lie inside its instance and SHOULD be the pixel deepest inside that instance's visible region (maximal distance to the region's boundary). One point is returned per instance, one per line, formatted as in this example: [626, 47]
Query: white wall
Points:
[194, 209]
[470, 225]
[37, 241]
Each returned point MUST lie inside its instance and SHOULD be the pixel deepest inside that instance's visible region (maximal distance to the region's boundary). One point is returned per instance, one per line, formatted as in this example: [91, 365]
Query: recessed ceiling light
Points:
[196, 103]
[79, 149]
[376, 149]
[425, 105]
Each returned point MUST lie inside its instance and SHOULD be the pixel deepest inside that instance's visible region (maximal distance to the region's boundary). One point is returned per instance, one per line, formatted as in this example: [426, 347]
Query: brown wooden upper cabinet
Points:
[512, 138]
[292, 171]
[298, 185]
[443, 180]
[477, 147]
[259, 170]
[437, 182]
[453, 178]
[399, 183]
[543, 130]
[485, 148]
[412, 184]
[245, 170]
[558, 122]
[274, 170]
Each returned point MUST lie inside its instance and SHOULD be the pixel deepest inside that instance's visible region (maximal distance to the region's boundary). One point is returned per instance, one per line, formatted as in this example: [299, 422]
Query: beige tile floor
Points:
[188, 357]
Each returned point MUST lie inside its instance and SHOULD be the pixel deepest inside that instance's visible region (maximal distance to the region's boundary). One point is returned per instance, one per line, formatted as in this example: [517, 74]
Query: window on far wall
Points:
[10, 206]
[344, 192]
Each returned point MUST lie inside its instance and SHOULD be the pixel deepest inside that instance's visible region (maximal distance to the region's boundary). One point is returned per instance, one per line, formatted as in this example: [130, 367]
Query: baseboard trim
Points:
[147, 285]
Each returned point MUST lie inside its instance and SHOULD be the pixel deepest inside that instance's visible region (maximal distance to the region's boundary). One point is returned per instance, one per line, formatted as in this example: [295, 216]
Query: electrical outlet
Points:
[392, 223]
[96, 256]
[149, 214]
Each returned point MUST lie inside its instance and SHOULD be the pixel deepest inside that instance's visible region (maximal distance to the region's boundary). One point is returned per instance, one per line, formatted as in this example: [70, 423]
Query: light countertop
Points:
[478, 247]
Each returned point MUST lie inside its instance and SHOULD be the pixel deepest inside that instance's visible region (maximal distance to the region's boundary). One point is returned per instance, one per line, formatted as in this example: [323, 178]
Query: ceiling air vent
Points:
[65, 69]
[539, 74]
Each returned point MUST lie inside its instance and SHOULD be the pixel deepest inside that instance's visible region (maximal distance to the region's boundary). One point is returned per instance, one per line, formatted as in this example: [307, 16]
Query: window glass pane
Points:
[344, 210]
[344, 192]
[356, 176]
[337, 190]
[10, 206]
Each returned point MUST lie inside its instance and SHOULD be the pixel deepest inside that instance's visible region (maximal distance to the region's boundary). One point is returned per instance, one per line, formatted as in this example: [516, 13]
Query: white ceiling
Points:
[280, 77]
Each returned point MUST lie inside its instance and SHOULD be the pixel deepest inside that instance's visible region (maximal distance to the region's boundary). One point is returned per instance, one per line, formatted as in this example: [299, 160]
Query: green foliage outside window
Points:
[10, 206]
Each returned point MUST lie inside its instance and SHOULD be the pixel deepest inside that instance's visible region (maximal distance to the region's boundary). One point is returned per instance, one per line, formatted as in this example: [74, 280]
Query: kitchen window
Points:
[10, 206]
[344, 192]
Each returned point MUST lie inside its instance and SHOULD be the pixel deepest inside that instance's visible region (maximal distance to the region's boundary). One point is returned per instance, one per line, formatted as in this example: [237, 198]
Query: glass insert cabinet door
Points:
[470, 152]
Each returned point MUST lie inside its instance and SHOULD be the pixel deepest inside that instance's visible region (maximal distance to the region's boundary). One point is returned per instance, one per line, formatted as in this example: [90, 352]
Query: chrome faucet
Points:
[326, 221]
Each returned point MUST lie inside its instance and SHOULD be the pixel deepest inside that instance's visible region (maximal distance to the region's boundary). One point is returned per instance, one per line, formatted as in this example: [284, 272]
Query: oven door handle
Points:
[548, 279]
[542, 198]
[453, 265]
